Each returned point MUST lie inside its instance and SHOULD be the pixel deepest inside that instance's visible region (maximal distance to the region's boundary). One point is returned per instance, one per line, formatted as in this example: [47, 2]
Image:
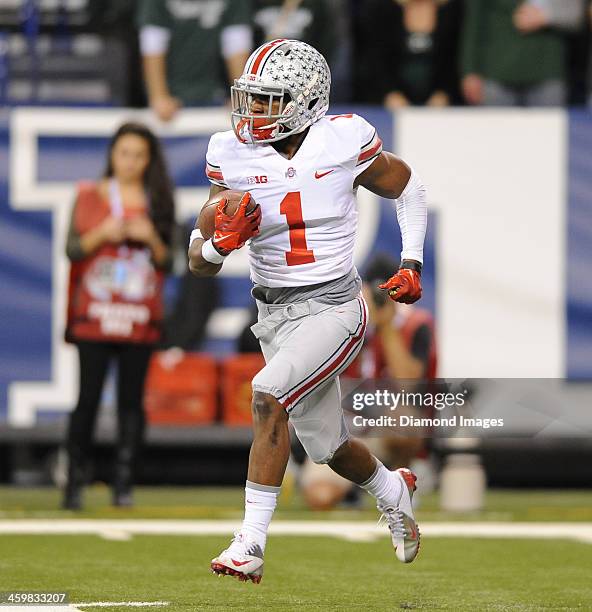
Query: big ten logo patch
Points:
[257, 180]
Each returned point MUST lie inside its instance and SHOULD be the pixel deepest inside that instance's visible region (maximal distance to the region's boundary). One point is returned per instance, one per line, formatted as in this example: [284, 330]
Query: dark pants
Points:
[132, 364]
[547, 93]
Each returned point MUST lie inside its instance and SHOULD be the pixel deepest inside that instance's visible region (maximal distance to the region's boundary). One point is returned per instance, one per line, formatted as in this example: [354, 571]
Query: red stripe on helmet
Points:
[263, 53]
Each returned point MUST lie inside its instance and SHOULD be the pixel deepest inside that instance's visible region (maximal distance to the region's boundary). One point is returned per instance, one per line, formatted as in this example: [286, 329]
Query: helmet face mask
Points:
[262, 126]
[290, 81]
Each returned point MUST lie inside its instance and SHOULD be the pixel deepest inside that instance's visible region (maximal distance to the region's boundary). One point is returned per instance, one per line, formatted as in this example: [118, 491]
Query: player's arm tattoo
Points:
[387, 176]
[197, 264]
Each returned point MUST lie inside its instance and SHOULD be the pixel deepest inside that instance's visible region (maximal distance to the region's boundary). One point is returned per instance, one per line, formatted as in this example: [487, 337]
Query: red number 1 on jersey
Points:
[291, 206]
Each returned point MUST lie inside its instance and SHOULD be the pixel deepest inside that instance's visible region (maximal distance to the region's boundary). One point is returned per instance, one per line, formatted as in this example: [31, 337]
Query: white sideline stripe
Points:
[349, 530]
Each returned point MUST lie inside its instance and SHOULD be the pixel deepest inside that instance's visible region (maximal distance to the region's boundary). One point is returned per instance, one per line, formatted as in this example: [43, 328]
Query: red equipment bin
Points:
[237, 373]
[181, 389]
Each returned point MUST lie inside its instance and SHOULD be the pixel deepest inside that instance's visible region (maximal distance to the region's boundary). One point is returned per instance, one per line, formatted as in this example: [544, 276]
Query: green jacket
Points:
[195, 68]
[311, 21]
[493, 48]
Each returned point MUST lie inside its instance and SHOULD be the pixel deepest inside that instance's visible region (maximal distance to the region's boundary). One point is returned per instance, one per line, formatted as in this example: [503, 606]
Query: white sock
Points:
[383, 485]
[260, 502]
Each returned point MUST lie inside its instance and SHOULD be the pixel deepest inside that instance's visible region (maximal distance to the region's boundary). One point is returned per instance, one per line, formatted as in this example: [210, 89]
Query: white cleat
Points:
[400, 520]
[243, 559]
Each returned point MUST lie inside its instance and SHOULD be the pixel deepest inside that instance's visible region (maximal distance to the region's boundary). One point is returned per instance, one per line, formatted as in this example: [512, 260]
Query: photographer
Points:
[400, 340]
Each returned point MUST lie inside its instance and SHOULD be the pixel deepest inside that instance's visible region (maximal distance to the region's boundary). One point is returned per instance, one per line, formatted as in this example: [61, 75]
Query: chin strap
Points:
[246, 136]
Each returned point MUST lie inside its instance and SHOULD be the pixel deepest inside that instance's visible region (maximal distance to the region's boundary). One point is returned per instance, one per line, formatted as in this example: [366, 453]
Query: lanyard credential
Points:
[116, 202]
[115, 199]
[118, 211]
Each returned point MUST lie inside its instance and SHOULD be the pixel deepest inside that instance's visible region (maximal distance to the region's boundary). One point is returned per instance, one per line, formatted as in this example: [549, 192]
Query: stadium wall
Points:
[508, 256]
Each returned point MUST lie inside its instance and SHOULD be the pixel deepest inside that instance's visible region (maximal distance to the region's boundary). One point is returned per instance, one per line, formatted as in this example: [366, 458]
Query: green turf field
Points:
[306, 573]
[227, 503]
[301, 572]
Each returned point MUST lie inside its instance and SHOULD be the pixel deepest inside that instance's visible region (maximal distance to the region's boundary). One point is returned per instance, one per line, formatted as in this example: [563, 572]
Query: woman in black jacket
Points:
[407, 52]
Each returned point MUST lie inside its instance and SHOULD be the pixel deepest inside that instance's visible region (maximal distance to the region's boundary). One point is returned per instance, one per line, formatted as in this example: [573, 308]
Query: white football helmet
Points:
[286, 71]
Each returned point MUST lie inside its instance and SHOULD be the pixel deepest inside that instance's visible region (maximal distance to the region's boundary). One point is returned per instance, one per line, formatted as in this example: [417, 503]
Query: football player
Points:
[303, 168]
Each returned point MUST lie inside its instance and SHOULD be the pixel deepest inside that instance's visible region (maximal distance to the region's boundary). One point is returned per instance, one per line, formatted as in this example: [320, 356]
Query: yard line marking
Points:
[115, 535]
[78, 607]
[129, 604]
[48, 608]
[348, 530]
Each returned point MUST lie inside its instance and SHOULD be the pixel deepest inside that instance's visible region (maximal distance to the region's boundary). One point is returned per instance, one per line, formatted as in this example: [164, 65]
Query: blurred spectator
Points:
[588, 30]
[118, 244]
[400, 341]
[246, 342]
[182, 45]
[399, 345]
[341, 59]
[324, 24]
[115, 21]
[578, 45]
[307, 20]
[407, 52]
[514, 53]
[68, 52]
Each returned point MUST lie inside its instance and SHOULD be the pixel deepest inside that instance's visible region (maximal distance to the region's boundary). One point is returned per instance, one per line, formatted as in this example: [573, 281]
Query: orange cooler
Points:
[181, 390]
[237, 373]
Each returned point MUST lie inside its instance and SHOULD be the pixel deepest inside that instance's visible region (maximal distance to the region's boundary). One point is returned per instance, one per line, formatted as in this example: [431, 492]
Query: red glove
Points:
[404, 286]
[233, 231]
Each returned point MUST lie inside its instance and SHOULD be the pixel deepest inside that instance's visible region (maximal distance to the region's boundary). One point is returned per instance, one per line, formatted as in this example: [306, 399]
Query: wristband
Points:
[210, 254]
[196, 233]
[411, 265]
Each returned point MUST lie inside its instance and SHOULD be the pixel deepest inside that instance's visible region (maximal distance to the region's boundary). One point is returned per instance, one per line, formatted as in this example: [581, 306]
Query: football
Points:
[207, 216]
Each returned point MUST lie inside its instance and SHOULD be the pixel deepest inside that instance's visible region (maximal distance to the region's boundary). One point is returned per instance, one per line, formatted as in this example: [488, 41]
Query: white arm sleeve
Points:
[412, 215]
[154, 40]
[236, 39]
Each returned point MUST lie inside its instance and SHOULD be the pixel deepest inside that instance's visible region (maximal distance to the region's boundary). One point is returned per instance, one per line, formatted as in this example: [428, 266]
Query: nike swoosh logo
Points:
[239, 563]
[319, 175]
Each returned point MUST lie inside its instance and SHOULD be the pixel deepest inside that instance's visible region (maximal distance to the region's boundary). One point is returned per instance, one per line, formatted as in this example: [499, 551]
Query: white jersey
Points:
[308, 203]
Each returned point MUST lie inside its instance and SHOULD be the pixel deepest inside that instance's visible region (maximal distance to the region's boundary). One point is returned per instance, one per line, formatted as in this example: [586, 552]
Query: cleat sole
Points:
[223, 570]
[418, 546]
[410, 480]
